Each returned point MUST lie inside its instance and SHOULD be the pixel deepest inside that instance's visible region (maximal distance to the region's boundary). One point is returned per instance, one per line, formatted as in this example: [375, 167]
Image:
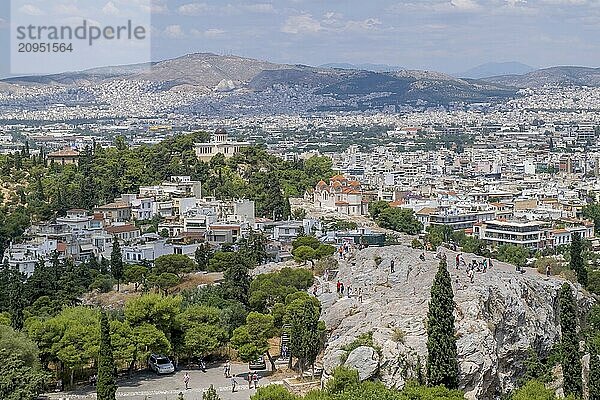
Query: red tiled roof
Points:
[121, 229]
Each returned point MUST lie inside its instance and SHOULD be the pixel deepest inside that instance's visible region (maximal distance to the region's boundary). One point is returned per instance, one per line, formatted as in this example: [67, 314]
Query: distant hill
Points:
[566, 75]
[254, 83]
[363, 67]
[495, 69]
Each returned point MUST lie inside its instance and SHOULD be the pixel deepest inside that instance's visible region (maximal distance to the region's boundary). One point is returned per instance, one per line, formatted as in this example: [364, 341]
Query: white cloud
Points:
[265, 8]
[110, 9]
[299, 24]
[213, 32]
[368, 24]
[67, 9]
[174, 32]
[209, 33]
[30, 9]
[194, 9]
[465, 5]
[566, 2]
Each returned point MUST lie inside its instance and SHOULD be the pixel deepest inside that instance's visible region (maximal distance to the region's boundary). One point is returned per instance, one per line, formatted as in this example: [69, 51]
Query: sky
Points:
[443, 35]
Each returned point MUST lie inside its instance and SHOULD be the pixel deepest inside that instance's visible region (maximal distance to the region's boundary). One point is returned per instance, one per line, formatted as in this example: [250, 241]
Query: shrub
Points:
[343, 378]
[399, 335]
[273, 392]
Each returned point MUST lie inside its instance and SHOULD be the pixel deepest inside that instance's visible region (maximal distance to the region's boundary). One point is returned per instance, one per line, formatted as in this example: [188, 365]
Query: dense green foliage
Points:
[512, 254]
[270, 289]
[397, 219]
[592, 212]
[21, 376]
[210, 394]
[576, 262]
[346, 386]
[442, 363]
[307, 333]
[570, 357]
[533, 390]
[106, 387]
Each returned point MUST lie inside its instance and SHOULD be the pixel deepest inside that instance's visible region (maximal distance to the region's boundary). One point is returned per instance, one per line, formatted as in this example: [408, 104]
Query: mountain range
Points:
[343, 89]
[495, 69]
[216, 81]
[565, 75]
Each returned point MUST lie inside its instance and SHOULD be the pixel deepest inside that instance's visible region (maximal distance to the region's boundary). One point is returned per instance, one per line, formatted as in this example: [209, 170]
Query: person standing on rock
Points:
[457, 260]
[548, 270]
[422, 256]
[392, 269]
[338, 286]
[360, 297]
[341, 288]
[349, 290]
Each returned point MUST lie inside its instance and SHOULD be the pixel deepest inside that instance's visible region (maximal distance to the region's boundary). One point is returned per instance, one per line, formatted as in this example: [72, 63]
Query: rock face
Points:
[498, 317]
[365, 360]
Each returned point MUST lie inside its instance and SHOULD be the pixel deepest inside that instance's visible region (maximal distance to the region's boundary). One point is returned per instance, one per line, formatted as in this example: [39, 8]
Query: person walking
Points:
[548, 270]
[249, 379]
[392, 268]
[186, 380]
[339, 284]
[227, 369]
[360, 297]
[233, 384]
[341, 288]
[349, 290]
[255, 380]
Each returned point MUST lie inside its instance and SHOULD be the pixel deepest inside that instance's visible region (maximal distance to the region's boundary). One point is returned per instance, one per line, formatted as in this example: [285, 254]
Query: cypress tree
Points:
[576, 263]
[106, 386]
[594, 380]
[442, 363]
[570, 357]
[116, 262]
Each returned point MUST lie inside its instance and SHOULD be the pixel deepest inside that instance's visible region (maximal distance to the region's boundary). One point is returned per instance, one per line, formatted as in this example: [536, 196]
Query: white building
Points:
[220, 144]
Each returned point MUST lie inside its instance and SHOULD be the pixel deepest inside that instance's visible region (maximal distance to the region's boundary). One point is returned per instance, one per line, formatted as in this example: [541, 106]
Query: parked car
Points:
[259, 363]
[160, 364]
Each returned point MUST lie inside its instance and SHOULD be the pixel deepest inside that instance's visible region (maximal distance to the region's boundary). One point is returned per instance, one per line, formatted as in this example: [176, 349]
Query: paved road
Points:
[148, 386]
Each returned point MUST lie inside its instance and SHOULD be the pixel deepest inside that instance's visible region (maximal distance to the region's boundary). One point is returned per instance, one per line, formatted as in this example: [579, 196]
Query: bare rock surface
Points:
[498, 317]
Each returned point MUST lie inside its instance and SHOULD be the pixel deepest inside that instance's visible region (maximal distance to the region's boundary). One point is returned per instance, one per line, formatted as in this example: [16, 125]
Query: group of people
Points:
[473, 266]
[344, 250]
[252, 377]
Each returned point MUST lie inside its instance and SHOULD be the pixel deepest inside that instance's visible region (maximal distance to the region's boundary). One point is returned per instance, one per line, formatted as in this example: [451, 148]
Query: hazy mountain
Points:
[495, 69]
[363, 67]
[252, 81]
[566, 75]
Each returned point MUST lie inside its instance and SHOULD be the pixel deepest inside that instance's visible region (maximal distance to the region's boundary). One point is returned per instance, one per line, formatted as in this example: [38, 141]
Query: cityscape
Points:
[217, 226]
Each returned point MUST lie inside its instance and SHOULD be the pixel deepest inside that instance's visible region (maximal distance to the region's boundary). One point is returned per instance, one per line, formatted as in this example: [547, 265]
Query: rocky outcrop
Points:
[365, 360]
[498, 317]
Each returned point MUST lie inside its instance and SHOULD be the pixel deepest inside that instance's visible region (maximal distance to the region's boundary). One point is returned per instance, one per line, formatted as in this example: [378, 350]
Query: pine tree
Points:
[210, 394]
[106, 386]
[570, 357]
[576, 262]
[442, 363]
[594, 385]
[116, 262]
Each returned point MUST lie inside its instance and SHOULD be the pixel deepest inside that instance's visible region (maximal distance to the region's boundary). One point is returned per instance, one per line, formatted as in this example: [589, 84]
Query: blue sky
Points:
[442, 35]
